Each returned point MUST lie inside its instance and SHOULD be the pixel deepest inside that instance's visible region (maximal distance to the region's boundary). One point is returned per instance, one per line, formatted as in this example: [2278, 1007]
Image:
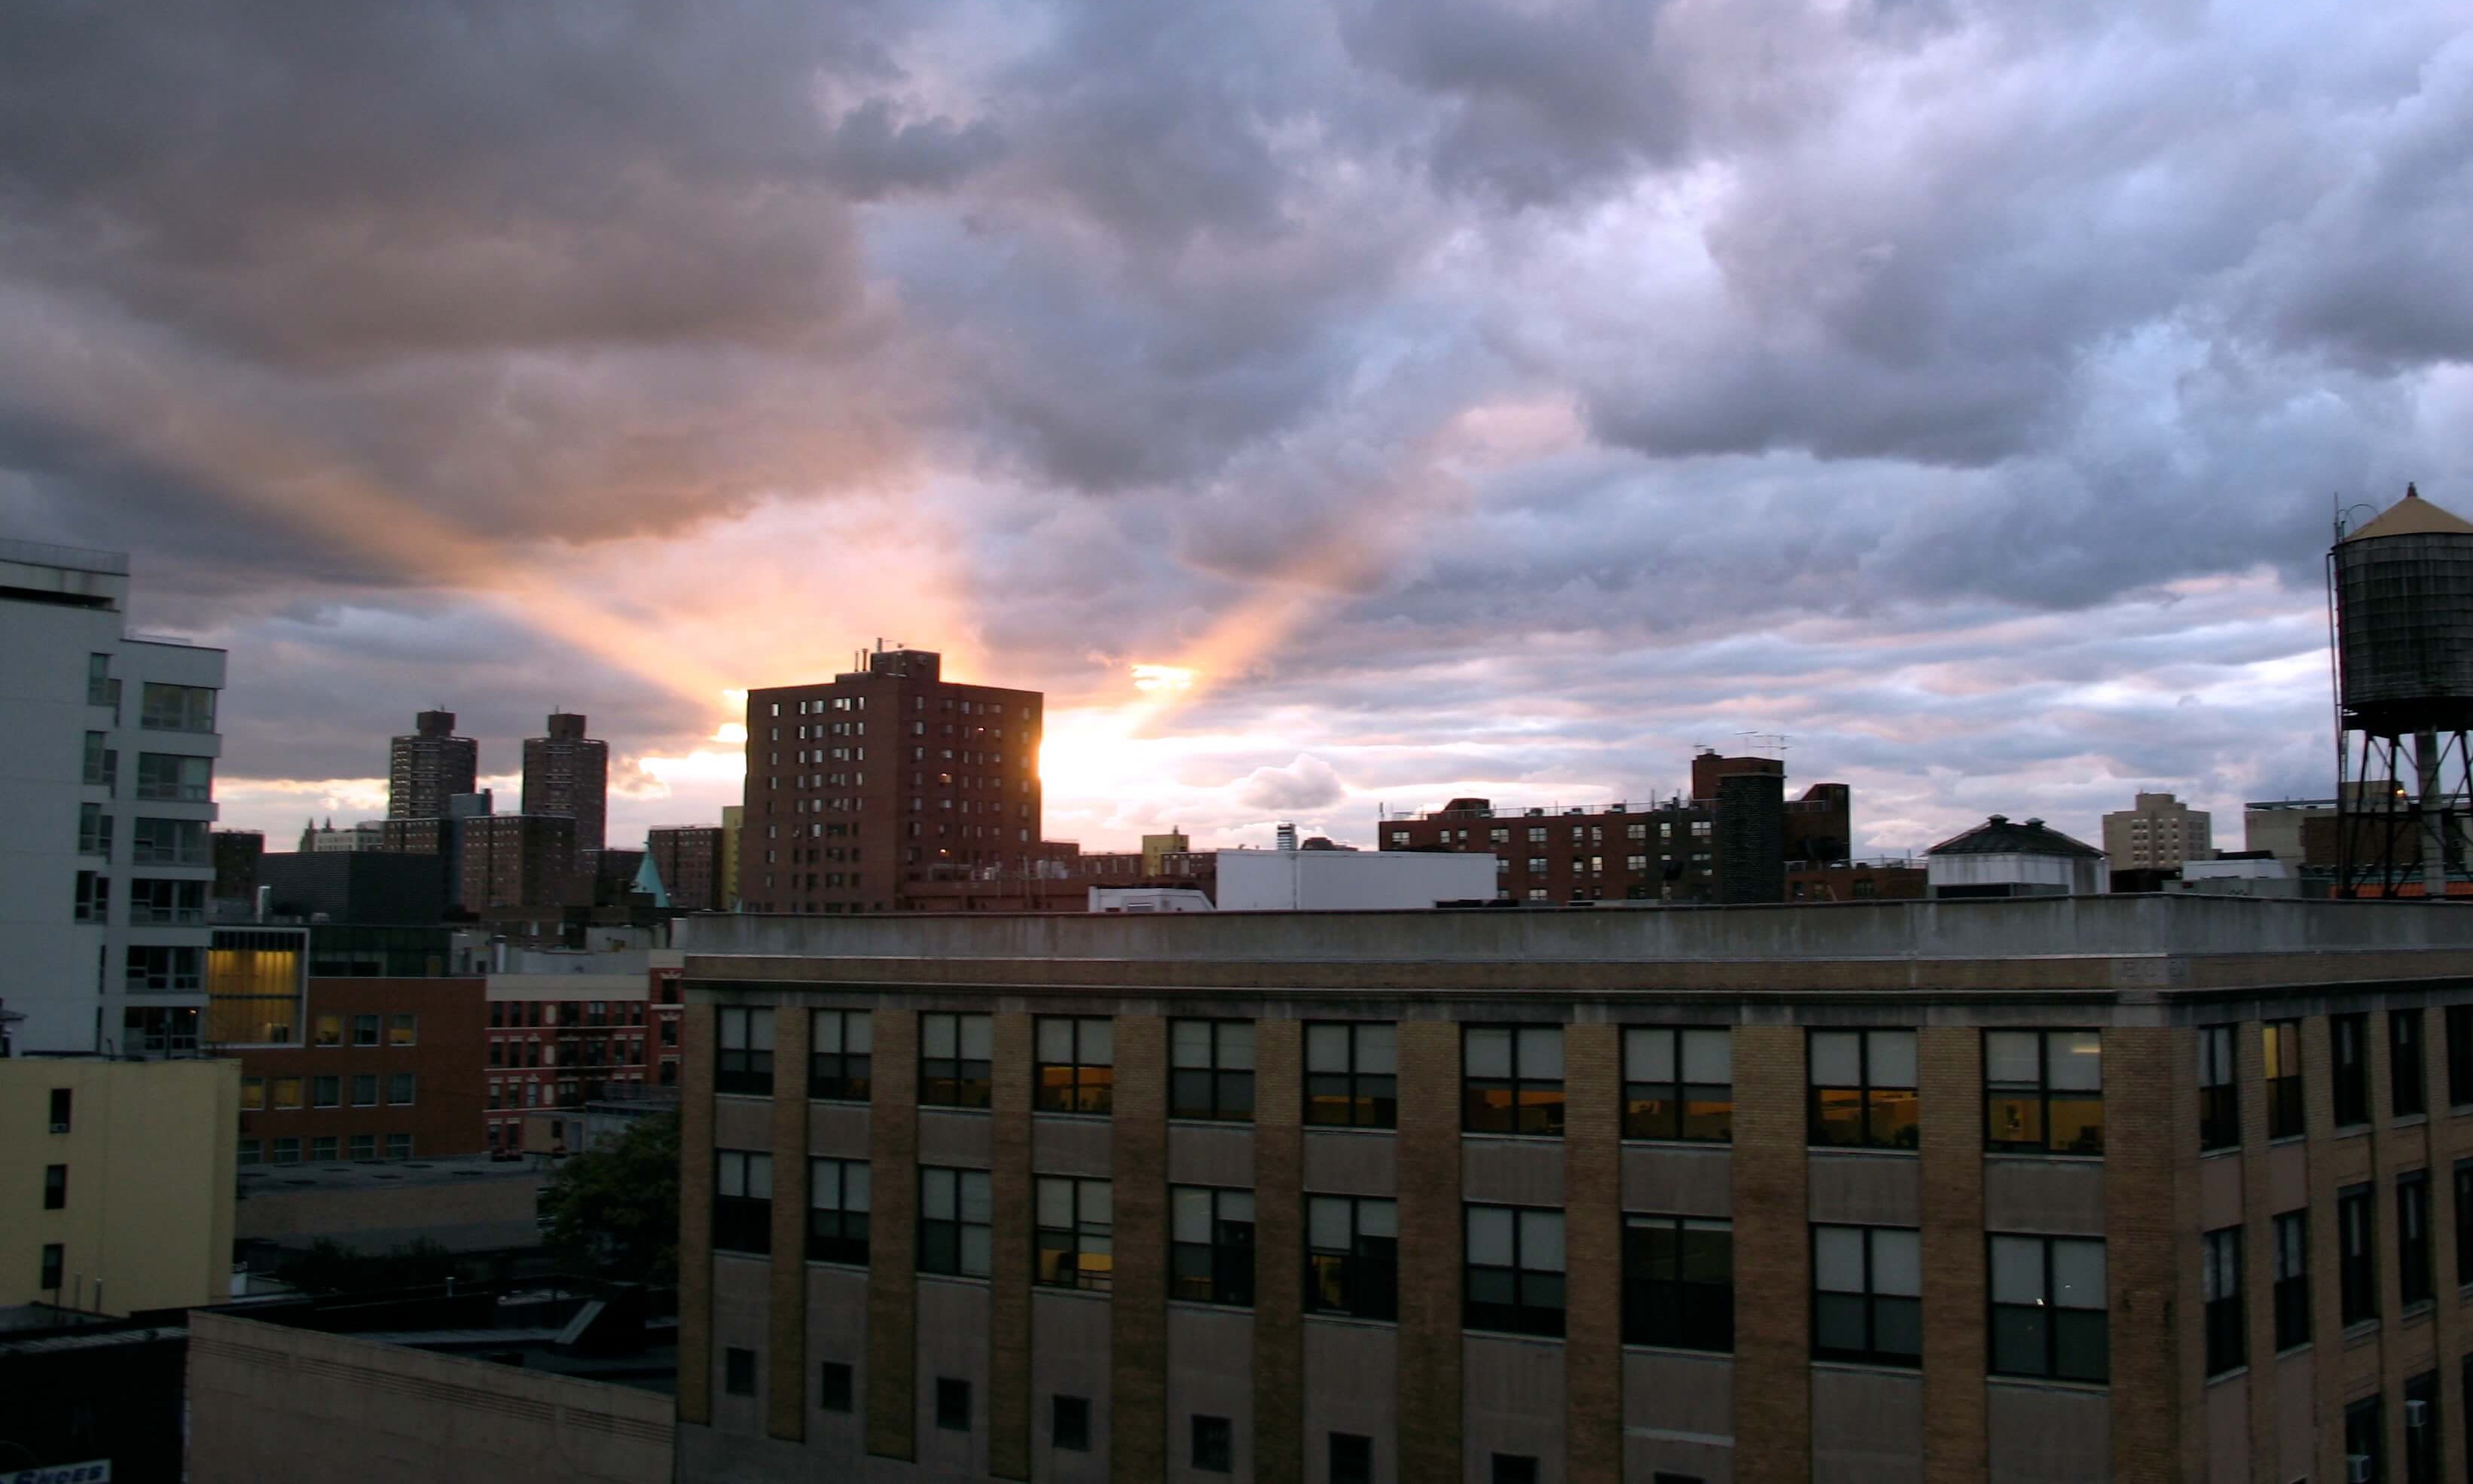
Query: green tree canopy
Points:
[614, 1211]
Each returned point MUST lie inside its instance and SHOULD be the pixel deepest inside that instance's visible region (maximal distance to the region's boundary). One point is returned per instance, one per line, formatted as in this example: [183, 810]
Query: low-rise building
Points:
[2003, 857]
[566, 1028]
[381, 1069]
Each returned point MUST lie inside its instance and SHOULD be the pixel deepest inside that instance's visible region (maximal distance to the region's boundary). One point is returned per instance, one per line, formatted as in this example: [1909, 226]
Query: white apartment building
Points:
[107, 749]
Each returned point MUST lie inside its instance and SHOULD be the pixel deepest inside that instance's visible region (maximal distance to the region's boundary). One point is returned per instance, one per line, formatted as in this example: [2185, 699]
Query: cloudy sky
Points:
[1497, 396]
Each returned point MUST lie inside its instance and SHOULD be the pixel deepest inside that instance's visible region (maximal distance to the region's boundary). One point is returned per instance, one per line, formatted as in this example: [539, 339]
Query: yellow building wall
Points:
[150, 1154]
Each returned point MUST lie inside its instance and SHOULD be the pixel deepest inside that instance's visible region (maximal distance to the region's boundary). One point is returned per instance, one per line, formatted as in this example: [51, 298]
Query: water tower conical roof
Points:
[2413, 515]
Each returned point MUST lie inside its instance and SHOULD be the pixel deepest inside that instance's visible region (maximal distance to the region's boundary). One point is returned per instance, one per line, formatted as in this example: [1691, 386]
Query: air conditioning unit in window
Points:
[2415, 1413]
[59, 1128]
[2357, 1468]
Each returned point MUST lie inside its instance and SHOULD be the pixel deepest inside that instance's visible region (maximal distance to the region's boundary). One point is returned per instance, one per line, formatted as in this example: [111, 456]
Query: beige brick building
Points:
[2158, 832]
[2041, 1190]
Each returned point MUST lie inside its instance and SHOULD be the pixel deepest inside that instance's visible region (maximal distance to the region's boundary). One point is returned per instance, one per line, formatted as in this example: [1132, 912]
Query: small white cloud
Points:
[1307, 784]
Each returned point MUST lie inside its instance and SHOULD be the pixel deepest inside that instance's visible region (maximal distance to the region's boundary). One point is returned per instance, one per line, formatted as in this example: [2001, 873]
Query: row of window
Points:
[324, 1147]
[2348, 1054]
[153, 842]
[2043, 1090]
[521, 1013]
[160, 775]
[1580, 834]
[2047, 1314]
[261, 1094]
[367, 1030]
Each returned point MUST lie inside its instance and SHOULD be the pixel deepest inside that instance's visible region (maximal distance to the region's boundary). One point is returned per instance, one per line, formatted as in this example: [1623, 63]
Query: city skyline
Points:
[1462, 399]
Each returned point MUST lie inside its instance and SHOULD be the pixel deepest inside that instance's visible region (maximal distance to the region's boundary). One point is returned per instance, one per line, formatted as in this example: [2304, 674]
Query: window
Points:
[55, 1261]
[1211, 1070]
[363, 1146]
[2414, 1282]
[2048, 1307]
[1353, 1074]
[953, 1207]
[326, 1030]
[365, 1090]
[55, 1187]
[179, 779]
[1514, 1270]
[738, 1370]
[94, 831]
[2281, 1042]
[158, 969]
[169, 843]
[402, 1029]
[1864, 1089]
[1353, 1257]
[744, 1059]
[399, 1088]
[1352, 1458]
[953, 1404]
[2349, 1044]
[2355, 1256]
[2044, 1092]
[1077, 1071]
[2220, 1261]
[1514, 1469]
[1075, 1223]
[100, 687]
[2408, 1063]
[2459, 1055]
[1678, 1083]
[1867, 1295]
[287, 1151]
[954, 1053]
[2292, 1279]
[166, 902]
[325, 1092]
[1211, 1245]
[840, 1054]
[1212, 1444]
[287, 1091]
[837, 1210]
[2219, 1089]
[176, 708]
[252, 1094]
[398, 1146]
[742, 1202]
[252, 1152]
[1512, 1079]
[323, 1147]
[365, 1030]
[2421, 1428]
[1678, 1282]
[102, 763]
[833, 1388]
[1069, 1423]
[93, 900]
[63, 1098]
[2365, 1441]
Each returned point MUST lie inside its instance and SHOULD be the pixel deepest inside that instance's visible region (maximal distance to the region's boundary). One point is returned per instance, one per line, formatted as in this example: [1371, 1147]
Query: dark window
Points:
[365, 1030]
[738, 1372]
[1211, 1070]
[1211, 1245]
[1661, 1476]
[2292, 1279]
[1512, 1079]
[742, 1201]
[156, 842]
[167, 775]
[1514, 1270]
[2414, 1282]
[54, 1258]
[1867, 1295]
[2220, 1255]
[1212, 1444]
[1679, 1283]
[2421, 1428]
[2459, 1055]
[2219, 1089]
[2357, 1254]
[744, 1058]
[2048, 1308]
[839, 1047]
[2349, 1048]
[953, 1217]
[1068, 1422]
[1353, 1257]
[1864, 1089]
[398, 1088]
[1353, 1075]
[158, 901]
[325, 1092]
[955, 1053]
[2043, 1090]
[156, 969]
[2281, 1042]
[56, 1186]
[92, 902]
[2407, 1062]
[839, 1200]
[1077, 1065]
[833, 1386]
[1076, 1233]
[1352, 1458]
[365, 1090]
[61, 1098]
[1679, 1084]
[162, 707]
[1514, 1469]
[2365, 1442]
[953, 1404]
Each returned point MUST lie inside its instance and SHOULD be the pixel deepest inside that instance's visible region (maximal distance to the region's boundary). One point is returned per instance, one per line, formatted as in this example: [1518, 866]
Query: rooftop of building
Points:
[2141, 944]
[2001, 835]
[72, 558]
[589, 1331]
[369, 1174]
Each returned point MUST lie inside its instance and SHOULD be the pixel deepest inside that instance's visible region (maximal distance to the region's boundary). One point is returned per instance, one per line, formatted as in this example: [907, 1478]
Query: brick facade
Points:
[1430, 1267]
[1138, 1397]
[893, 1286]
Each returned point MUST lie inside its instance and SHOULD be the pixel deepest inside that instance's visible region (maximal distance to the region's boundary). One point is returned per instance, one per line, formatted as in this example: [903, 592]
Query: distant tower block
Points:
[2402, 594]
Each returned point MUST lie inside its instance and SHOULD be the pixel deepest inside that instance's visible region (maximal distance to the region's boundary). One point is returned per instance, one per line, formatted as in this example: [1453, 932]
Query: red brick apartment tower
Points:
[568, 773]
[882, 779]
[426, 766]
[690, 859]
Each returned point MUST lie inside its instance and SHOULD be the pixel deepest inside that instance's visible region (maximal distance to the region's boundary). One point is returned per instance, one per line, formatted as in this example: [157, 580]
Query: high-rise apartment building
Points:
[734, 819]
[108, 799]
[2096, 1187]
[882, 778]
[425, 767]
[568, 773]
[518, 860]
[690, 860]
[2157, 833]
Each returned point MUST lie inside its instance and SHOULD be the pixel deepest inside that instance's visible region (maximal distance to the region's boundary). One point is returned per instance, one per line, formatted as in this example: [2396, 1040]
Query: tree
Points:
[615, 1210]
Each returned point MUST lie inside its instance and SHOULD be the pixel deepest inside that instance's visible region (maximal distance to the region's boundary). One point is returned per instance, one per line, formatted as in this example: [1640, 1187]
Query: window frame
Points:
[1517, 1115]
[2288, 1237]
[2045, 1093]
[1869, 1106]
[2048, 1307]
[839, 1074]
[742, 1222]
[1676, 1311]
[1221, 1264]
[2349, 1075]
[2225, 1318]
[2416, 1280]
[1522, 1314]
[839, 1232]
[958, 1225]
[2218, 1087]
[742, 1053]
[2280, 1059]
[1687, 1109]
[1365, 1096]
[2407, 1064]
[1087, 1087]
[1873, 1299]
[1228, 1084]
[2357, 1254]
[1213, 1444]
[2458, 1028]
[950, 1076]
[1061, 1255]
[1360, 1279]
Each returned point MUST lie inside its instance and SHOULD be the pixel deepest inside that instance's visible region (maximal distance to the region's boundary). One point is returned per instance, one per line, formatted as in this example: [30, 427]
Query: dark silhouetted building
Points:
[568, 773]
[519, 860]
[425, 767]
[356, 886]
[690, 859]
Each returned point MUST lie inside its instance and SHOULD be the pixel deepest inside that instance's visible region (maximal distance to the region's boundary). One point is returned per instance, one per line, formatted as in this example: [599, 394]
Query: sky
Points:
[1334, 408]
